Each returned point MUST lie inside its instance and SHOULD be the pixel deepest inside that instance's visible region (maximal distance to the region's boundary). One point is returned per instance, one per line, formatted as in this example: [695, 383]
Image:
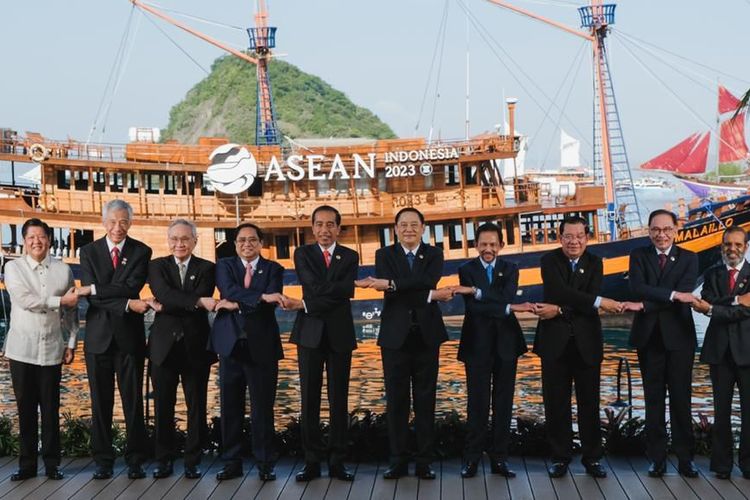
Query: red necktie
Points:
[662, 261]
[115, 257]
[248, 275]
[732, 279]
[327, 257]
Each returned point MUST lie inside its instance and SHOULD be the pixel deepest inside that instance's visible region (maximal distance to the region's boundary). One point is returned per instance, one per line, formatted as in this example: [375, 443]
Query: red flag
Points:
[732, 145]
[727, 102]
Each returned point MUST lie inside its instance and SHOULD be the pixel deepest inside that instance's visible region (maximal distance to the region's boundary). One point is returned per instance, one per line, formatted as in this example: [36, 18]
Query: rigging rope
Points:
[179, 47]
[195, 18]
[441, 35]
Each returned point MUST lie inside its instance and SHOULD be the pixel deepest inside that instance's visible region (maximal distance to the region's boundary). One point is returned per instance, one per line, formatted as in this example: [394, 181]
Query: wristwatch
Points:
[391, 286]
[710, 310]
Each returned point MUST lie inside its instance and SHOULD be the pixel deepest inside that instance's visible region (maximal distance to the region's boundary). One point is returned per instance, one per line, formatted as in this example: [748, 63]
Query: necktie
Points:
[248, 275]
[115, 257]
[662, 261]
[327, 257]
[573, 266]
[183, 268]
[410, 259]
[489, 270]
[732, 278]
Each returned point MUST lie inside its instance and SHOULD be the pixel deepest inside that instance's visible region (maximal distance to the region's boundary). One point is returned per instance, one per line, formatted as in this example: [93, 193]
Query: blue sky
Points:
[58, 56]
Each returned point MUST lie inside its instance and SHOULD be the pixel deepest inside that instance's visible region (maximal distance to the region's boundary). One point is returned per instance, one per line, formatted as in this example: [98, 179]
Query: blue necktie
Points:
[410, 258]
[489, 273]
[573, 266]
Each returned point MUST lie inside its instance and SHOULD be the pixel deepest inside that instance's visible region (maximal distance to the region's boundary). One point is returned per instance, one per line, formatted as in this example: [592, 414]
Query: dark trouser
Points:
[412, 367]
[661, 370]
[237, 373]
[558, 376]
[193, 373]
[723, 378]
[312, 362]
[37, 387]
[496, 382]
[101, 370]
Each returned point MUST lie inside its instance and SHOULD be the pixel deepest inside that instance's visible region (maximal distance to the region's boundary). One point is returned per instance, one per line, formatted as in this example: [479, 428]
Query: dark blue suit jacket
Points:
[256, 318]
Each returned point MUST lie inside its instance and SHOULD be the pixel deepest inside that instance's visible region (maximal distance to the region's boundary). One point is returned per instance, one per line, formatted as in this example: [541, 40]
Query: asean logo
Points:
[233, 169]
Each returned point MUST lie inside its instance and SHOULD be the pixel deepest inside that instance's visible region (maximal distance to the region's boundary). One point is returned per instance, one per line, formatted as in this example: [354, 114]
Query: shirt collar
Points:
[253, 262]
[111, 245]
[178, 261]
[330, 249]
[485, 264]
[406, 250]
[738, 267]
[33, 263]
[665, 252]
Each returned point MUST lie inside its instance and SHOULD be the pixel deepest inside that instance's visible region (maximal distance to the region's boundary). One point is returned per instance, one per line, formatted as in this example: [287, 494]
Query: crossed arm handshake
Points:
[701, 306]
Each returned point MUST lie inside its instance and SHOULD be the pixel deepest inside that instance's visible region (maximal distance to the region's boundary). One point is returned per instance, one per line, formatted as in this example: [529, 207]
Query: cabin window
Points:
[451, 175]
[470, 233]
[426, 235]
[207, 188]
[152, 183]
[115, 182]
[342, 186]
[362, 185]
[188, 183]
[63, 179]
[429, 182]
[81, 181]
[132, 182]
[439, 236]
[382, 182]
[386, 238]
[470, 175]
[170, 184]
[98, 177]
[455, 236]
[282, 246]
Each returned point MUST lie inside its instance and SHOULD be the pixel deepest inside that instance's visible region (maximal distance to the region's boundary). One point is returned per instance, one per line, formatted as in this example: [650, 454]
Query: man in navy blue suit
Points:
[246, 337]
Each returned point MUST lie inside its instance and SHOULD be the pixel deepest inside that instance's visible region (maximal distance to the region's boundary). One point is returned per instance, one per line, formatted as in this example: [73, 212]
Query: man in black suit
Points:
[491, 342]
[246, 337]
[183, 286]
[726, 348]
[324, 334]
[411, 331]
[113, 271]
[662, 276]
[569, 342]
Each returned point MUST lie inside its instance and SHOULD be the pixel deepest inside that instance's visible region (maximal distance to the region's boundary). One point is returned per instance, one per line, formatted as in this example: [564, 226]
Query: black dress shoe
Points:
[688, 469]
[424, 471]
[309, 472]
[396, 471]
[135, 471]
[469, 469]
[102, 472]
[339, 471]
[657, 469]
[266, 473]
[22, 474]
[723, 475]
[595, 469]
[192, 472]
[229, 472]
[164, 469]
[501, 467]
[558, 469]
[54, 473]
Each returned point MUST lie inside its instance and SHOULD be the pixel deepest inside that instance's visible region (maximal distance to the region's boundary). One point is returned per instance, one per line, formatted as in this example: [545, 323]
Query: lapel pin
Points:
[672, 259]
[580, 271]
[741, 285]
[124, 261]
[192, 276]
[338, 257]
[260, 271]
[499, 275]
[421, 256]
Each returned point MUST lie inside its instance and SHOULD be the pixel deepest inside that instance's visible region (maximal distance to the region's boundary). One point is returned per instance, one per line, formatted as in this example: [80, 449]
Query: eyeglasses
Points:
[173, 240]
[573, 237]
[661, 230]
[242, 241]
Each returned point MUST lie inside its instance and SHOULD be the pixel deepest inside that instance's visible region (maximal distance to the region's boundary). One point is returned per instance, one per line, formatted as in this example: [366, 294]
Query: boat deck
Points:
[627, 480]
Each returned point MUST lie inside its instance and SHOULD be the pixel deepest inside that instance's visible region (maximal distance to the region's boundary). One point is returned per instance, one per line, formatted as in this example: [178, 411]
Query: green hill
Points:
[223, 104]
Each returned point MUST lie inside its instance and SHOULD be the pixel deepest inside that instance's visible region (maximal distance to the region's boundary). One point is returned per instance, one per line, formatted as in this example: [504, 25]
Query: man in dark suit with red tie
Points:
[324, 334]
[569, 342]
[726, 348]
[183, 287]
[491, 342]
[245, 335]
[411, 332]
[662, 277]
[113, 271]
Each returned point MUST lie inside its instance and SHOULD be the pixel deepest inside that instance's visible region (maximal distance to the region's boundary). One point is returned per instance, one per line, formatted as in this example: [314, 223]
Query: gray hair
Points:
[184, 222]
[117, 205]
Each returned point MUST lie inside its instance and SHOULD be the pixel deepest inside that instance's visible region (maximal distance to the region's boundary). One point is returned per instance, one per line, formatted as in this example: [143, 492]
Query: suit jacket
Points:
[327, 293]
[487, 331]
[729, 327]
[256, 318]
[106, 318]
[654, 288]
[575, 293]
[179, 314]
[408, 303]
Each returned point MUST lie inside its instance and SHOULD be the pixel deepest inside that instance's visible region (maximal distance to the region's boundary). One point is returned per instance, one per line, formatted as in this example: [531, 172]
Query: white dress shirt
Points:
[38, 324]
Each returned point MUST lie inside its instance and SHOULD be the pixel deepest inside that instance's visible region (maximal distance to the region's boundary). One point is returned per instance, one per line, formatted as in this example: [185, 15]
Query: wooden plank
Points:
[207, 483]
[339, 490]
[183, 486]
[737, 488]
[23, 488]
[385, 489]
[227, 489]
[699, 485]
[317, 488]
[609, 487]
[6, 485]
[677, 484]
[475, 487]
[70, 469]
[293, 490]
[449, 475]
[365, 480]
[589, 487]
[654, 486]
[628, 479]
[92, 487]
[430, 490]
[541, 483]
[519, 486]
[272, 489]
[120, 483]
[564, 486]
[71, 487]
[156, 488]
[407, 488]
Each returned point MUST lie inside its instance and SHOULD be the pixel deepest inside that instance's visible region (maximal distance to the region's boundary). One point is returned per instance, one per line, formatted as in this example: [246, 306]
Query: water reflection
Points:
[367, 379]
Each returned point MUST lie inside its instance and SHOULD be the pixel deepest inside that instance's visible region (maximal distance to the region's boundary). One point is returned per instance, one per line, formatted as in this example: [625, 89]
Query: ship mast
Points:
[610, 157]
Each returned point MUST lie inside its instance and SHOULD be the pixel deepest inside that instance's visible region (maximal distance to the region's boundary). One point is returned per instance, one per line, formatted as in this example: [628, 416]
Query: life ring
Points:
[38, 152]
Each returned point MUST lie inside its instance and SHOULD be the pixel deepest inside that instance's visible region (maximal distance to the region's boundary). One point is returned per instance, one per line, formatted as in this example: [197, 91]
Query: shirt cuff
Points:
[53, 302]
[93, 289]
[72, 341]
[126, 305]
[478, 294]
[305, 306]
[671, 296]
[597, 302]
[736, 300]
[429, 297]
[507, 310]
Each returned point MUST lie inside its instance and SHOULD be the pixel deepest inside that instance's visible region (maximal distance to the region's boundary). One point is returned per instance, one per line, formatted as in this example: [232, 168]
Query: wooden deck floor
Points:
[627, 480]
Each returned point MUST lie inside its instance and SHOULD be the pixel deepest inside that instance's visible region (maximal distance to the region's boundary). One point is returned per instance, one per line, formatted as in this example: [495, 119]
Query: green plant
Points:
[702, 429]
[8, 439]
[75, 436]
[623, 436]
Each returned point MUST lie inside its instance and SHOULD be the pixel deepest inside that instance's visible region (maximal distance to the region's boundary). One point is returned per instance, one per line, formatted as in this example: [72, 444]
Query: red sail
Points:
[732, 146]
[696, 161]
[671, 159]
[727, 102]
